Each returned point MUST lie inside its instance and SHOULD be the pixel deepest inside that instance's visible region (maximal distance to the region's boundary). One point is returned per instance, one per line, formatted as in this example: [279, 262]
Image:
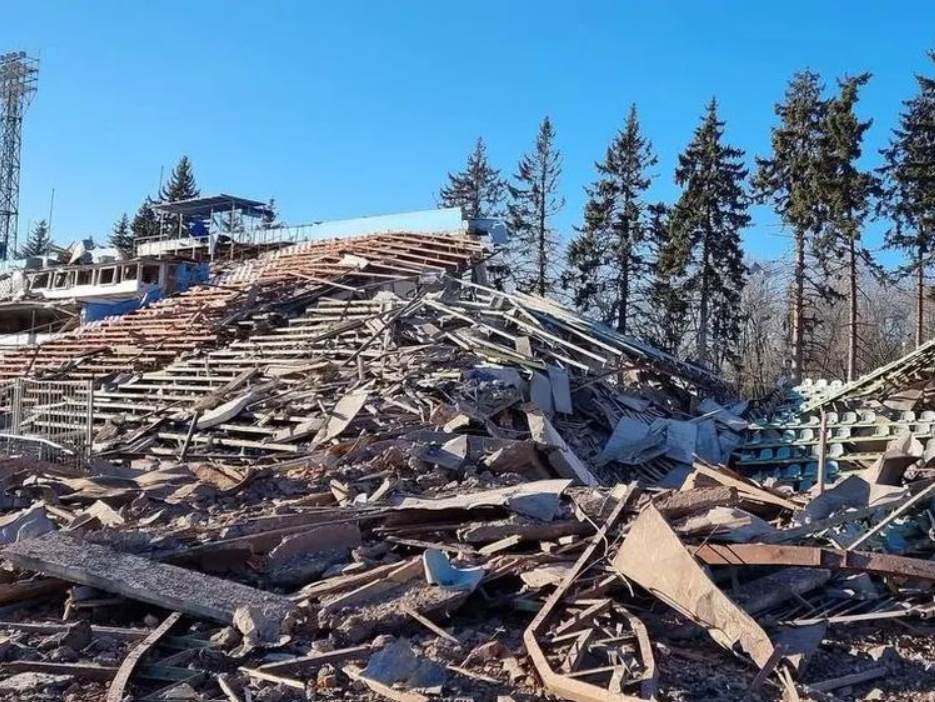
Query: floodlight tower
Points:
[18, 77]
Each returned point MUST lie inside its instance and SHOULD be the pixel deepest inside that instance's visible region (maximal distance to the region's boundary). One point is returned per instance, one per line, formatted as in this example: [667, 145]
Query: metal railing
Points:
[51, 420]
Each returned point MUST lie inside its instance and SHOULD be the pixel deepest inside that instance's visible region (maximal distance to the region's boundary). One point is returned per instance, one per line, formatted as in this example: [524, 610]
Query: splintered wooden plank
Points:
[137, 578]
[341, 415]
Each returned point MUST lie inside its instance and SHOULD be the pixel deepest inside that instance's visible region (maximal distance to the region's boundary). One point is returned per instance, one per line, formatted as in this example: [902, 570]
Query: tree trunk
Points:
[798, 309]
[852, 309]
[542, 236]
[624, 299]
[920, 299]
[702, 350]
[623, 280]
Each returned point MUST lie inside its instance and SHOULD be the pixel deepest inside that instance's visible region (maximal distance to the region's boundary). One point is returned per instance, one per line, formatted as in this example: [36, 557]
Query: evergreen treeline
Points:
[180, 186]
[675, 273]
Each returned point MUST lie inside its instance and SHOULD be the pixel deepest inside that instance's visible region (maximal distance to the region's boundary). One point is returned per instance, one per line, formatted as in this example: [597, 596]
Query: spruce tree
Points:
[145, 223]
[181, 184]
[478, 190]
[848, 192]
[122, 236]
[581, 277]
[667, 309]
[789, 179]
[272, 215]
[909, 190]
[38, 242]
[706, 224]
[534, 200]
[607, 262]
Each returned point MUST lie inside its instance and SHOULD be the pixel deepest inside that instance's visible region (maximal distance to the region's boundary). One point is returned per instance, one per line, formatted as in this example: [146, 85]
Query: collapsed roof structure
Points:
[350, 467]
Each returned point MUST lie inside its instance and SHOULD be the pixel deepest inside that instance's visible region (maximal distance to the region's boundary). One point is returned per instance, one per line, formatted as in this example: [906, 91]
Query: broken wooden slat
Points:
[312, 662]
[852, 679]
[429, 624]
[343, 414]
[563, 685]
[576, 652]
[25, 590]
[273, 678]
[815, 557]
[648, 681]
[584, 617]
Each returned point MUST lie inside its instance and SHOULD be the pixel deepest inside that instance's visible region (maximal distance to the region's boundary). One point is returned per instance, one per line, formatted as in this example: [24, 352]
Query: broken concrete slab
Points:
[138, 578]
[398, 663]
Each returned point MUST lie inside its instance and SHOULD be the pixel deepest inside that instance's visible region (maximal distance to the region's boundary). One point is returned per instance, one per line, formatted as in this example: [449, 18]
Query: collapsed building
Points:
[349, 467]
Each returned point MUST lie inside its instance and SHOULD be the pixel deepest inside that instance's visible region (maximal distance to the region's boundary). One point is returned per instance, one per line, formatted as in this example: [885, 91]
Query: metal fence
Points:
[49, 419]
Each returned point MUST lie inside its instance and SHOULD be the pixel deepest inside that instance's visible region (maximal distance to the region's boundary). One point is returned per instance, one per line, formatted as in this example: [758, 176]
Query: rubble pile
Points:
[427, 489]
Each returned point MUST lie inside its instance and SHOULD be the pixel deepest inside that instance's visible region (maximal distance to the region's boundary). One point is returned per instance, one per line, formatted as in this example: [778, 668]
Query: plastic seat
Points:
[791, 472]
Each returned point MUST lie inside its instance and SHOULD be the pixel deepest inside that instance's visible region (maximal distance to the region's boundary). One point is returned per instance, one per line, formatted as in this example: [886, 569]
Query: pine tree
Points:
[909, 194]
[145, 224]
[581, 277]
[848, 193]
[38, 242]
[181, 184]
[270, 219]
[706, 224]
[790, 179]
[667, 309]
[122, 236]
[534, 200]
[606, 262]
[478, 190]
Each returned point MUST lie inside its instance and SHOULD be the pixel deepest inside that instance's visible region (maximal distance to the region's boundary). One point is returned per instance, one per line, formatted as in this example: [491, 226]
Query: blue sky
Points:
[344, 109]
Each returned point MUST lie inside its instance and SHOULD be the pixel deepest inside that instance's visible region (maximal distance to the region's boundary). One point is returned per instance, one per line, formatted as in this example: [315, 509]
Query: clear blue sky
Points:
[342, 109]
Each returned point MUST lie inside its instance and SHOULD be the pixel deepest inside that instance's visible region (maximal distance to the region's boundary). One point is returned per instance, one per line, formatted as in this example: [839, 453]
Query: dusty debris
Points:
[344, 470]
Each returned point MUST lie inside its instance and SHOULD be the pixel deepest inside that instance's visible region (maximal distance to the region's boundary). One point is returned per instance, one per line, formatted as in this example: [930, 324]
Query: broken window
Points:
[107, 276]
[150, 275]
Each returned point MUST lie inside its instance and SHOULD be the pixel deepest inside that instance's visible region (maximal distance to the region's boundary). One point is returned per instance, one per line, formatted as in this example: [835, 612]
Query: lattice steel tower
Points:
[18, 77]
